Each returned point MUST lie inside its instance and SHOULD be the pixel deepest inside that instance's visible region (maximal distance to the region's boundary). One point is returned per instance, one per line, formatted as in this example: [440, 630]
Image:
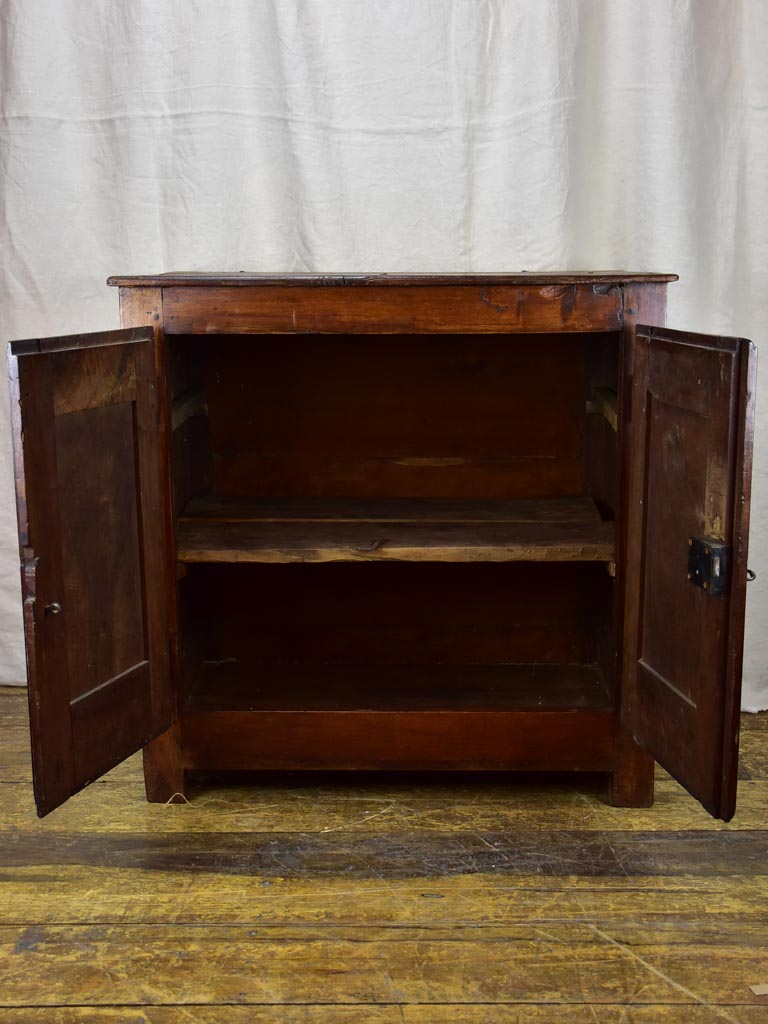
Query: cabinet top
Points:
[242, 278]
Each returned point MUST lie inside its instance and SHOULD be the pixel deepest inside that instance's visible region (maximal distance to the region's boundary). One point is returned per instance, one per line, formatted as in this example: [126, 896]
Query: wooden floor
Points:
[479, 901]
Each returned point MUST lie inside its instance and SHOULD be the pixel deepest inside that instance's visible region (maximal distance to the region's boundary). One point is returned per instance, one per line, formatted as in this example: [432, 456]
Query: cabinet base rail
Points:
[209, 742]
[572, 740]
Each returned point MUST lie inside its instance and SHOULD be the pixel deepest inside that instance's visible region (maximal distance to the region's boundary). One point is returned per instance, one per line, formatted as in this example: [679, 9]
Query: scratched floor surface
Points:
[480, 901]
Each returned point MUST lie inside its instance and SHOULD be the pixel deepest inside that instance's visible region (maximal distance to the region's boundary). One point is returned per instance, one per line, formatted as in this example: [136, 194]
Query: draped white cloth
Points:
[337, 135]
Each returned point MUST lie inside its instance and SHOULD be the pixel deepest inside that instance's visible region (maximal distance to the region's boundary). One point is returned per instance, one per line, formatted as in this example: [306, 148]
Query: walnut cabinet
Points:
[455, 522]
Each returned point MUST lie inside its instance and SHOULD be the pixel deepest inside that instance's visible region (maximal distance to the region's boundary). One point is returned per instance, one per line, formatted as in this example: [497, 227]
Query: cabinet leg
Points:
[631, 781]
[164, 776]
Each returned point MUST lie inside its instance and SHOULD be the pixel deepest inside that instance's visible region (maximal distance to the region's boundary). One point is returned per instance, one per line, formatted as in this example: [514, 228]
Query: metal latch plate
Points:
[709, 564]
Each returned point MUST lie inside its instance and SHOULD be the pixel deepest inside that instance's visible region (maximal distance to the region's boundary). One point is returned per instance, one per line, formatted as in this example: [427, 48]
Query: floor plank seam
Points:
[660, 974]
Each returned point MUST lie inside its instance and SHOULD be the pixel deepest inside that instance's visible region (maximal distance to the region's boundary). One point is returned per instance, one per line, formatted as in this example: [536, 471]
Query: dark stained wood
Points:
[235, 687]
[112, 554]
[191, 459]
[245, 279]
[632, 781]
[459, 417]
[164, 776]
[691, 424]
[630, 784]
[298, 475]
[393, 309]
[495, 532]
[80, 342]
[35, 468]
[92, 552]
[213, 508]
[548, 740]
[742, 482]
[389, 448]
[601, 466]
[191, 453]
[391, 613]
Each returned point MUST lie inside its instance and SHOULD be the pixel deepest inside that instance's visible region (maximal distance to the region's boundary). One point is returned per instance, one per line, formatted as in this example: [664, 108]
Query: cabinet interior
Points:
[396, 521]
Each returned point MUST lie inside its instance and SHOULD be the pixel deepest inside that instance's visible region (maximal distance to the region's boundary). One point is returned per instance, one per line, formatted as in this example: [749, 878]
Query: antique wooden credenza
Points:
[385, 522]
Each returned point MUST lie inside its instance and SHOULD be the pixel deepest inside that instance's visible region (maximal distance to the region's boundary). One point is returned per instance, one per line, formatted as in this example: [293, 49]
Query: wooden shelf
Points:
[424, 530]
[227, 686]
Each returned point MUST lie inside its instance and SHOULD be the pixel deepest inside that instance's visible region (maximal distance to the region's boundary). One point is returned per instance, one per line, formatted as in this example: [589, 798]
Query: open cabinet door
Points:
[88, 478]
[688, 416]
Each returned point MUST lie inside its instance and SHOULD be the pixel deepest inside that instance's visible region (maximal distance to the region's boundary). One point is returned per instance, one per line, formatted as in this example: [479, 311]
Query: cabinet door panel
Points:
[689, 431]
[86, 424]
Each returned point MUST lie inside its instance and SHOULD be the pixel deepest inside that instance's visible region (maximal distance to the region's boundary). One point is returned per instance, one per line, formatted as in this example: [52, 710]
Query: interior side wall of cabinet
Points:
[191, 451]
[601, 483]
[601, 427]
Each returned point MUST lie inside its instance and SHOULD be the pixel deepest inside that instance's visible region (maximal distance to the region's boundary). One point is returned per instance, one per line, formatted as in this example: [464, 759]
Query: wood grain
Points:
[214, 508]
[238, 687]
[408, 900]
[399, 740]
[643, 305]
[94, 617]
[143, 307]
[455, 416]
[483, 537]
[445, 1013]
[691, 439]
[412, 476]
[392, 309]
[344, 805]
[246, 279]
[442, 398]
[243, 542]
[394, 613]
[569, 964]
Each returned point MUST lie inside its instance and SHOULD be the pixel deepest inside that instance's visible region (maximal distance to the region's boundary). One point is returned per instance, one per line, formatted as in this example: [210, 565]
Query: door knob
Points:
[53, 608]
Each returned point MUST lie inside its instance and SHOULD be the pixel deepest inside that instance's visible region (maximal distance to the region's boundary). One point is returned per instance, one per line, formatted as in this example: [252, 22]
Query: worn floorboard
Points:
[417, 900]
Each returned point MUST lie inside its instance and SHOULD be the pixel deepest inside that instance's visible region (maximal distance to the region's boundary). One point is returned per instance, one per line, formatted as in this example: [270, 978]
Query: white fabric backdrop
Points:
[142, 136]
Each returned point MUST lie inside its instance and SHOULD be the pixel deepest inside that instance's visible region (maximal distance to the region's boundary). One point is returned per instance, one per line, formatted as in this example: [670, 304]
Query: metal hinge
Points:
[709, 564]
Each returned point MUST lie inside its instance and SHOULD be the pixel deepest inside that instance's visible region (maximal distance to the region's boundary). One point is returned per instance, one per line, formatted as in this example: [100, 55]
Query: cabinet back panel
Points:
[462, 614]
[412, 416]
